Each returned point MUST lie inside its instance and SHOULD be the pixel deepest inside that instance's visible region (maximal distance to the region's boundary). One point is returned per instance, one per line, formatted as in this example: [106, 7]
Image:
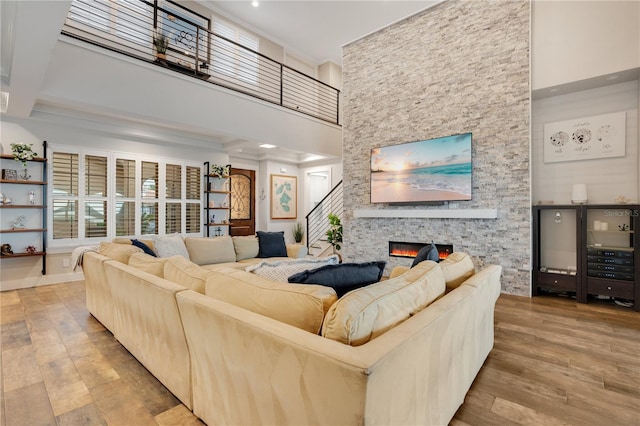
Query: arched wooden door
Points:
[243, 194]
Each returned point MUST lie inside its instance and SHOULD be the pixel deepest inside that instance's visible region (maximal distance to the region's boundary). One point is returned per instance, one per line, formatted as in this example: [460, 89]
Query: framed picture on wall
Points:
[585, 138]
[284, 197]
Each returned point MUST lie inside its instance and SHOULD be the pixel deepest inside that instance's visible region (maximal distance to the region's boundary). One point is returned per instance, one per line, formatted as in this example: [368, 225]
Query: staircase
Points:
[318, 222]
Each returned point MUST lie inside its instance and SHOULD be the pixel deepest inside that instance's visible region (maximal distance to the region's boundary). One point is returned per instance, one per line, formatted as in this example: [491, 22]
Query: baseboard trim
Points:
[41, 281]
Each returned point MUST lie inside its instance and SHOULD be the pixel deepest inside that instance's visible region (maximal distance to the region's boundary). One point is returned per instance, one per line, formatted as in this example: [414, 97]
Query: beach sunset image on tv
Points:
[422, 171]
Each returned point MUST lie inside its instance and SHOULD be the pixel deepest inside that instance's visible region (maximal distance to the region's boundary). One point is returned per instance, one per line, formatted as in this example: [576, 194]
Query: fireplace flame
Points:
[413, 253]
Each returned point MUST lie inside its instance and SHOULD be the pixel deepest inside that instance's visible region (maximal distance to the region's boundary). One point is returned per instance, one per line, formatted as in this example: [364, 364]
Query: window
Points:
[95, 214]
[192, 218]
[98, 195]
[173, 211]
[64, 190]
[125, 197]
[234, 53]
[128, 21]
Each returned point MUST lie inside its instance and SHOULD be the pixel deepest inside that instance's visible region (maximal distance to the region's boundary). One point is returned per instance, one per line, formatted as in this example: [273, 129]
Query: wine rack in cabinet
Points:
[23, 204]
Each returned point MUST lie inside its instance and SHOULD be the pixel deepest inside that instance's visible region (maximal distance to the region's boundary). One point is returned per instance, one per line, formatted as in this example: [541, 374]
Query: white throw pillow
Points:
[170, 245]
[281, 270]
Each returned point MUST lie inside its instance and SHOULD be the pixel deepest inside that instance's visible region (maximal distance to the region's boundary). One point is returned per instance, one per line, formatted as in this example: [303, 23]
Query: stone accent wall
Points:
[461, 66]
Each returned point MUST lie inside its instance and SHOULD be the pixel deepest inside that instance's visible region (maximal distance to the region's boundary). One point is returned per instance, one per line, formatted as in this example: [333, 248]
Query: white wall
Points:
[25, 272]
[577, 40]
[605, 178]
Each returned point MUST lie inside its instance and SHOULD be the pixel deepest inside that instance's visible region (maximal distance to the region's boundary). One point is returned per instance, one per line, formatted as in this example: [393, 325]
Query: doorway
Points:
[243, 194]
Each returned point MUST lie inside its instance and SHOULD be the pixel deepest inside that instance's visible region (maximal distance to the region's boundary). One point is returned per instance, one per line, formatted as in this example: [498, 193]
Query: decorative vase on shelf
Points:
[579, 193]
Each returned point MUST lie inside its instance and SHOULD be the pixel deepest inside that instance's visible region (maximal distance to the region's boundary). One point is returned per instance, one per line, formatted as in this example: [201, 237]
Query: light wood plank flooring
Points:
[554, 362]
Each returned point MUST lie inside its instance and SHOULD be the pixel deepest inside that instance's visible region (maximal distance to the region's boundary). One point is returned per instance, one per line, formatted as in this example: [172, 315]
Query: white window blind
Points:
[125, 197]
[231, 60]
[98, 195]
[64, 195]
[95, 213]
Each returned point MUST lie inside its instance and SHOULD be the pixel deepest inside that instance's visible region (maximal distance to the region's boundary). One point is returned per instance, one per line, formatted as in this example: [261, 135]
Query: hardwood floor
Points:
[554, 362]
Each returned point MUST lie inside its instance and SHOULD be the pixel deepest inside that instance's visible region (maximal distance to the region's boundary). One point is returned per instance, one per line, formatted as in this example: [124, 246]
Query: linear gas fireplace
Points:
[410, 250]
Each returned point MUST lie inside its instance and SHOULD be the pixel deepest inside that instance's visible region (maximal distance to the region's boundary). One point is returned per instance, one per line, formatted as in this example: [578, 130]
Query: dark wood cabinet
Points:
[602, 241]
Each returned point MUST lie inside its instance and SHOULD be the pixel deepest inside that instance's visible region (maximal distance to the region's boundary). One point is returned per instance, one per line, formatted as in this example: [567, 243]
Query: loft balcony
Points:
[196, 48]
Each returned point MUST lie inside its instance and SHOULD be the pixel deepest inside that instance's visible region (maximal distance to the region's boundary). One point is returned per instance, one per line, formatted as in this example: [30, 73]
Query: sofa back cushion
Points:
[246, 247]
[147, 263]
[207, 251]
[365, 313]
[457, 268]
[119, 252]
[301, 306]
[186, 273]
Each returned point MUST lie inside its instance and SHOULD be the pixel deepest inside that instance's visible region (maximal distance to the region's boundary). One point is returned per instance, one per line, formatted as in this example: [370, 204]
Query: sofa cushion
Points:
[457, 268]
[119, 252]
[365, 313]
[428, 252]
[246, 247]
[171, 245]
[206, 251]
[271, 244]
[343, 277]
[147, 263]
[301, 306]
[184, 272]
[282, 270]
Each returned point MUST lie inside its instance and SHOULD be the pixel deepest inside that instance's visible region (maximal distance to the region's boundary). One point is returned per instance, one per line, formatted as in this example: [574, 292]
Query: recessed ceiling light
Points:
[266, 146]
[612, 77]
[255, 3]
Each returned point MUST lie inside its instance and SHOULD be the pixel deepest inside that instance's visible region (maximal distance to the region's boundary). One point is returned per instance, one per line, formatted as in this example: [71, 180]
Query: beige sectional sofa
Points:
[237, 348]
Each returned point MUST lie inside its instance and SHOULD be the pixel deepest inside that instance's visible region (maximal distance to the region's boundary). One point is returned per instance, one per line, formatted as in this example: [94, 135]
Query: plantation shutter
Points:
[193, 193]
[173, 210]
[125, 197]
[65, 195]
[95, 211]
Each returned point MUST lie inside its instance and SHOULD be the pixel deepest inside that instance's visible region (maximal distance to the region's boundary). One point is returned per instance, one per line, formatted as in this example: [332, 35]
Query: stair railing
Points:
[317, 218]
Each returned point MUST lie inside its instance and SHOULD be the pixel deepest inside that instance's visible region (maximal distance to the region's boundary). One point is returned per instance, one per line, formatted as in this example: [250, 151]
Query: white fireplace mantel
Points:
[427, 213]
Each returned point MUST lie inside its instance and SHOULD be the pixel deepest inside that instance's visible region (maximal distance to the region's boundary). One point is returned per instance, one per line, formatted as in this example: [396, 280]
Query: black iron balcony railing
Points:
[130, 26]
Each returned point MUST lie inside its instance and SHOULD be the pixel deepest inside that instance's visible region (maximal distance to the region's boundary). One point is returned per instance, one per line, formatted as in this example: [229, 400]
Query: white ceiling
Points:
[316, 30]
[313, 30]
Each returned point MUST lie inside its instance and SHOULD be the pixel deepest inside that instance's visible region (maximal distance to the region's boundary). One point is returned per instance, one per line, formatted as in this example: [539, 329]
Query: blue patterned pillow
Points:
[144, 247]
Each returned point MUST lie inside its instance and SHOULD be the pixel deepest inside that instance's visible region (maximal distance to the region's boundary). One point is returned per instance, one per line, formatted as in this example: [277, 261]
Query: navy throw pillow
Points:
[427, 253]
[271, 244]
[144, 247]
[343, 277]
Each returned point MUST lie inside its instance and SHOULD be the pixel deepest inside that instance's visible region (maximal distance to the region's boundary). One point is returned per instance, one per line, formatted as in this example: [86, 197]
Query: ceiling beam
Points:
[37, 27]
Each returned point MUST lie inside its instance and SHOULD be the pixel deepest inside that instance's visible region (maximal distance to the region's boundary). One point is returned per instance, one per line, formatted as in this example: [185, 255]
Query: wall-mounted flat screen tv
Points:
[432, 170]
